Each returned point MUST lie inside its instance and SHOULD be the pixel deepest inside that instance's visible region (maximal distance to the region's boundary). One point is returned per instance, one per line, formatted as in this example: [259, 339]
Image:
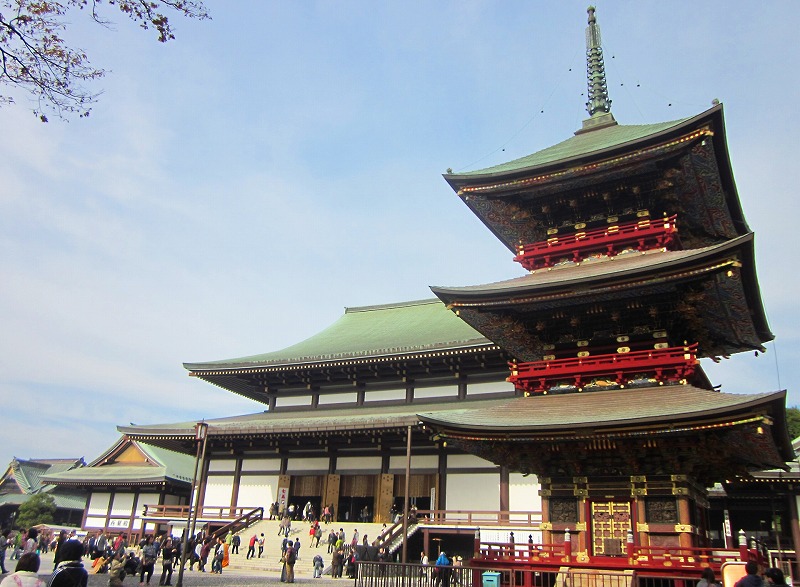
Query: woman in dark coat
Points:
[69, 572]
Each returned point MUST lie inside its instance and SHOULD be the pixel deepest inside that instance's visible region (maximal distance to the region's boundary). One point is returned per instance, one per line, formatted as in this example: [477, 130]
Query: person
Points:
[296, 547]
[423, 570]
[226, 556]
[117, 572]
[751, 579]
[149, 556]
[707, 578]
[318, 566]
[332, 537]
[260, 545]
[4, 544]
[317, 534]
[26, 573]
[235, 544]
[289, 559]
[774, 576]
[205, 550]
[70, 571]
[168, 553]
[219, 555]
[442, 571]
[337, 562]
[32, 542]
[251, 547]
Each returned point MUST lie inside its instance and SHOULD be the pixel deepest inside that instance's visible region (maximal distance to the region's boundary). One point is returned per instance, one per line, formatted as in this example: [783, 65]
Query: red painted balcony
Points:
[664, 365]
[643, 235]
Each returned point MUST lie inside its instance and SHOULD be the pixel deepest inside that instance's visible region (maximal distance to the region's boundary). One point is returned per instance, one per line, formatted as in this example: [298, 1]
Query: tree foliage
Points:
[36, 58]
[793, 422]
[39, 509]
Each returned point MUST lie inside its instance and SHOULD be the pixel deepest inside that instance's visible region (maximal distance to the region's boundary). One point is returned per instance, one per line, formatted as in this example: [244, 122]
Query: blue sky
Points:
[235, 189]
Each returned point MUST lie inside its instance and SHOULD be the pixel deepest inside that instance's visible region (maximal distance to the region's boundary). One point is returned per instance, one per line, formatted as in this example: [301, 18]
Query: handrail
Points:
[645, 234]
[479, 517]
[672, 363]
[206, 512]
[241, 523]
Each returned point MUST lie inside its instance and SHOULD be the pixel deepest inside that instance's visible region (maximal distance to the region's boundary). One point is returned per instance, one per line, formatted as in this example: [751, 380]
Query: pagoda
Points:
[640, 262]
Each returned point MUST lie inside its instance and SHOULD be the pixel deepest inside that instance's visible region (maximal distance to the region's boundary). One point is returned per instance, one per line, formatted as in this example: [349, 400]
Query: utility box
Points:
[490, 579]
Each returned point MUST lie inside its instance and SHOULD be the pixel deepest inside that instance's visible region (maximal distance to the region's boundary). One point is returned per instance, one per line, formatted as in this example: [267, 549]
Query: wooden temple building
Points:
[571, 395]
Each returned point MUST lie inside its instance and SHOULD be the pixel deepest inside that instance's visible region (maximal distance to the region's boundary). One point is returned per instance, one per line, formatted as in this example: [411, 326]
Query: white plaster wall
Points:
[145, 499]
[219, 490]
[123, 504]
[468, 462]
[397, 464]
[523, 493]
[359, 464]
[309, 464]
[489, 387]
[98, 504]
[287, 402]
[338, 398]
[384, 395]
[257, 491]
[222, 465]
[438, 391]
[473, 491]
[94, 522]
[249, 464]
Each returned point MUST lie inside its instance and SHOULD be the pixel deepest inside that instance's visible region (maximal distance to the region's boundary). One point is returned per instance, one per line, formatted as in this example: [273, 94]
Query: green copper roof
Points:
[368, 332]
[578, 146]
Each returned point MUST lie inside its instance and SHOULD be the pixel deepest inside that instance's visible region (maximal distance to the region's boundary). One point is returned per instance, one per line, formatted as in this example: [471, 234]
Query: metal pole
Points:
[200, 483]
[405, 501]
[192, 494]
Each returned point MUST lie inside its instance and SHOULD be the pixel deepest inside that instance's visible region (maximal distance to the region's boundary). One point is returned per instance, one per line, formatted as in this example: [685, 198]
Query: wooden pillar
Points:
[332, 491]
[685, 522]
[505, 497]
[385, 499]
[544, 492]
[641, 518]
[441, 489]
[237, 475]
[793, 524]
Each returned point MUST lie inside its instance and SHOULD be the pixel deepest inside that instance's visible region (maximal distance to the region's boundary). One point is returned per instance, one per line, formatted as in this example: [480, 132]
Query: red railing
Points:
[178, 512]
[478, 517]
[643, 234]
[670, 364]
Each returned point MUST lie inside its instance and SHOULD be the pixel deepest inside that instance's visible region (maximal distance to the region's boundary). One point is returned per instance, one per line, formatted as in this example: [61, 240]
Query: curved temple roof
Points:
[370, 331]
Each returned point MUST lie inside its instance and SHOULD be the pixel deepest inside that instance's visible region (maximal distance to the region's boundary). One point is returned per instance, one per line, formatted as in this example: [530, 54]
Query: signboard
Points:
[119, 523]
[283, 495]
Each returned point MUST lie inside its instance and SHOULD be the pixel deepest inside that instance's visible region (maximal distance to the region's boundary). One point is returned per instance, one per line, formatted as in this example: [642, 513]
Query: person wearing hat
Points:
[69, 572]
[442, 574]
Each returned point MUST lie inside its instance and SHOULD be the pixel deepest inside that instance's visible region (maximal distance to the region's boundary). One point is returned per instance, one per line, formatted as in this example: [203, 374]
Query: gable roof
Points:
[157, 466]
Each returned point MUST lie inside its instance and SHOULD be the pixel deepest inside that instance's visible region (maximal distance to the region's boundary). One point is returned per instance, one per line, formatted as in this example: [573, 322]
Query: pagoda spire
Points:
[599, 104]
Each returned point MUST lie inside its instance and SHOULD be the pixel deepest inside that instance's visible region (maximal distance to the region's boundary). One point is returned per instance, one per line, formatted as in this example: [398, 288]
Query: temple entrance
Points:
[306, 489]
[420, 490]
[356, 498]
[611, 521]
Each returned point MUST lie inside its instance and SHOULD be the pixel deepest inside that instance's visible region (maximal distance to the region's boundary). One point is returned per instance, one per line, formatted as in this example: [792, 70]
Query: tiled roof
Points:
[167, 466]
[307, 420]
[621, 407]
[587, 144]
[370, 331]
[603, 269]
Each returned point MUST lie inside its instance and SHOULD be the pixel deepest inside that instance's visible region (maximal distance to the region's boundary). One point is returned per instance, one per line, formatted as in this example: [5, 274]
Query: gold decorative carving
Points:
[687, 528]
[641, 527]
[623, 349]
[582, 556]
[583, 354]
[580, 226]
[638, 491]
[545, 526]
[675, 478]
[580, 527]
[642, 213]
[660, 334]
[544, 480]
[623, 338]
[545, 493]
[580, 492]
[582, 343]
[638, 479]
[580, 479]
[680, 491]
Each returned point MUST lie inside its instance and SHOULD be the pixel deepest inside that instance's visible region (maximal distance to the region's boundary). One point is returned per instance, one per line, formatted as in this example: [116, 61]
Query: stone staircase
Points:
[270, 560]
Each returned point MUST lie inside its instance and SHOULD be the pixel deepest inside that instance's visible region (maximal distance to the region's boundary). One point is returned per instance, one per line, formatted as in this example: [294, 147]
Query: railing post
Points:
[567, 546]
[630, 546]
[743, 554]
[477, 545]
